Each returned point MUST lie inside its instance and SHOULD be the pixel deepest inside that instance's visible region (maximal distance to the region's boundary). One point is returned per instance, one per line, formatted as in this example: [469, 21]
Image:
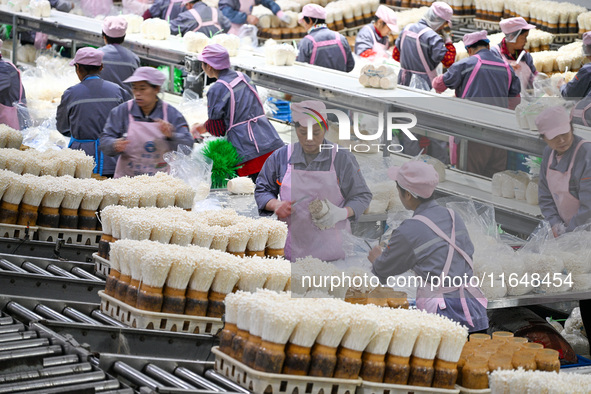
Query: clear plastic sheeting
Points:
[193, 170]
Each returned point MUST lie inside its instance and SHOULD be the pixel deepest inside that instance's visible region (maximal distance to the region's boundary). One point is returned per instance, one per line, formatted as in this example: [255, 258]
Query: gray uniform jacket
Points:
[328, 56]
[118, 65]
[365, 39]
[186, 22]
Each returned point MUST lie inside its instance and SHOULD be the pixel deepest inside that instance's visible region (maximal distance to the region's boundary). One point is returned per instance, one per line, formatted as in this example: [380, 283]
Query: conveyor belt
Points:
[54, 250]
[24, 276]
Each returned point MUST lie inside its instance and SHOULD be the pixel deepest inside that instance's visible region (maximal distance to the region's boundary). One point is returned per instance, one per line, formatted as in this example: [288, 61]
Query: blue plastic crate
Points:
[582, 362]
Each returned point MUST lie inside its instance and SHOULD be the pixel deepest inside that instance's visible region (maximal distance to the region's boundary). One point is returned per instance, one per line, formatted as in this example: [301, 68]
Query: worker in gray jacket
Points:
[85, 107]
[323, 47]
[312, 169]
[435, 244]
[167, 10]
[239, 12]
[199, 17]
[12, 95]
[118, 62]
[373, 39]
[580, 85]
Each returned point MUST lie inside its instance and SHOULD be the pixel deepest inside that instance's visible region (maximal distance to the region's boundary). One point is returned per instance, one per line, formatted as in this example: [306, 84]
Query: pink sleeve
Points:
[438, 84]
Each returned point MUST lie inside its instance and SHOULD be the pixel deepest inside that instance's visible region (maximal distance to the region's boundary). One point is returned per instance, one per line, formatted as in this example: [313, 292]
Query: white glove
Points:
[446, 37]
[284, 17]
[332, 217]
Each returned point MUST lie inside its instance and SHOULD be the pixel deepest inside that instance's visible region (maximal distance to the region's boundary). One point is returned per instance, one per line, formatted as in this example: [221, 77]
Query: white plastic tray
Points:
[486, 25]
[464, 390]
[565, 38]
[71, 236]
[259, 382]
[16, 231]
[385, 388]
[101, 266]
[137, 318]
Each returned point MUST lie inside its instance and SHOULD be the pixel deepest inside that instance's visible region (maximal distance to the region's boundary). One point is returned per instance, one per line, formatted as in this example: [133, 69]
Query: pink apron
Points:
[231, 86]
[169, 9]
[316, 45]
[304, 238]
[417, 36]
[524, 73]
[92, 8]
[246, 7]
[201, 24]
[9, 115]
[558, 183]
[479, 64]
[147, 144]
[429, 300]
[379, 49]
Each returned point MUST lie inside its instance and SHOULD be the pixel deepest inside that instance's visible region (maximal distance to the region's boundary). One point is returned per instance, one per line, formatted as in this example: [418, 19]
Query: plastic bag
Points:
[193, 170]
[418, 82]
[248, 36]
[44, 137]
[193, 108]
[24, 117]
[538, 238]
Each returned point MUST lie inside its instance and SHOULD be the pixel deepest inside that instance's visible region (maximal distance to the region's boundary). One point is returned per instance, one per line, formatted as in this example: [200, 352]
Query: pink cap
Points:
[587, 38]
[473, 38]
[417, 177]
[553, 121]
[114, 26]
[305, 111]
[512, 25]
[149, 74]
[216, 56]
[313, 11]
[442, 10]
[88, 57]
[388, 16]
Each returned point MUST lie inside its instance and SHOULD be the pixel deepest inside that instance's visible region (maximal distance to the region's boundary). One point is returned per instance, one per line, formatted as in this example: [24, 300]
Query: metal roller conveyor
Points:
[51, 314]
[85, 275]
[87, 387]
[53, 350]
[101, 317]
[8, 266]
[23, 344]
[32, 268]
[60, 360]
[17, 336]
[13, 328]
[30, 250]
[79, 316]
[45, 372]
[54, 269]
[134, 376]
[52, 382]
[6, 320]
[22, 312]
[216, 377]
[168, 379]
[196, 380]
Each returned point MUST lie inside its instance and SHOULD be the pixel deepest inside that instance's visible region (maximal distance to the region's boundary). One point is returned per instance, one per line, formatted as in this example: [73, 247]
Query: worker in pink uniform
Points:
[511, 48]
[142, 130]
[433, 243]
[299, 173]
[12, 92]
[373, 39]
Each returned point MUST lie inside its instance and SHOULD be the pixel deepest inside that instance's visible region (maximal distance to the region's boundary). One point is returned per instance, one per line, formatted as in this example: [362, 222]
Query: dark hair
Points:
[113, 40]
[421, 199]
[314, 21]
[89, 69]
[479, 44]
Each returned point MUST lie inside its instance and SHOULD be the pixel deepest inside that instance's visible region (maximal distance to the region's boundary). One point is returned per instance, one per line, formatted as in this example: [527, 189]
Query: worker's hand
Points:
[516, 67]
[438, 84]
[198, 129]
[283, 209]
[252, 20]
[447, 37]
[561, 82]
[332, 217]
[283, 17]
[374, 253]
[166, 128]
[120, 144]
[558, 230]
